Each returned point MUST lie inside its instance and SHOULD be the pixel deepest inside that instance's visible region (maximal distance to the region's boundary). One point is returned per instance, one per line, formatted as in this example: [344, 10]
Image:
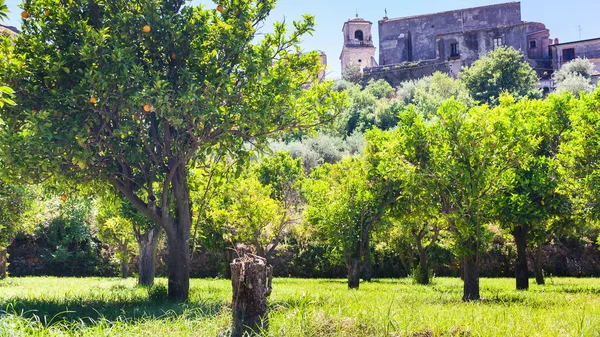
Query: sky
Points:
[567, 20]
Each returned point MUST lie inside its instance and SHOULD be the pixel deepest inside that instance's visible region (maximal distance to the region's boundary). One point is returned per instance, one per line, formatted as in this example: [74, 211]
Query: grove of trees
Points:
[155, 117]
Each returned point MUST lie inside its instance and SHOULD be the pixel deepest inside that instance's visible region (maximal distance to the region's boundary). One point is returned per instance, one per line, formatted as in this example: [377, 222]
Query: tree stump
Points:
[251, 279]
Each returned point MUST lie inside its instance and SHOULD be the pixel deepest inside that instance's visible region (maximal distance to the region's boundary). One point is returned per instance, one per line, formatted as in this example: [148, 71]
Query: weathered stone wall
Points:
[399, 73]
[413, 38]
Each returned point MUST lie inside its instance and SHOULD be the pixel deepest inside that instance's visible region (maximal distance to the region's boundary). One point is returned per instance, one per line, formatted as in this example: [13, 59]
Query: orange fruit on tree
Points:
[64, 197]
[25, 14]
[174, 56]
[93, 100]
[147, 108]
[146, 29]
[220, 8]
[46, 13]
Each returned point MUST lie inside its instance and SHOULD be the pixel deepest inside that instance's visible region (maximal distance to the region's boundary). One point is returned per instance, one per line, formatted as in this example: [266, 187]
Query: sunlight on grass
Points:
[46, 306]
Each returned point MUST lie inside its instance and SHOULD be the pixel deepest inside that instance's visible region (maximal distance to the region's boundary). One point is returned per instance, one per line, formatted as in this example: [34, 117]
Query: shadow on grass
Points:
[80, 310]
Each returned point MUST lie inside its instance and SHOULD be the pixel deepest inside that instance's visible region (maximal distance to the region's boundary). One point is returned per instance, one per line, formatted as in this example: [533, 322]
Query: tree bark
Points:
[537, 264]
[178, 240]
[251, 284]
[178, 267]
[367, 272]
[521, 272]
[354, 273]
[124, 262]
[423, 267]
[147, 258]
[3, 264]
[471, 273]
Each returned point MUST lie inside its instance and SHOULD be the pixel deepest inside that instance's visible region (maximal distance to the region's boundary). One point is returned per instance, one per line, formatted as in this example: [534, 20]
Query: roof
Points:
[587, 40]
[10, 29]
[505, 4]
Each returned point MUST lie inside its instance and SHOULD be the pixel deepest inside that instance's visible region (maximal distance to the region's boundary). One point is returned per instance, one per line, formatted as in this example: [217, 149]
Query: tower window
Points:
[532, 44]
[454, 51]
[359, 35]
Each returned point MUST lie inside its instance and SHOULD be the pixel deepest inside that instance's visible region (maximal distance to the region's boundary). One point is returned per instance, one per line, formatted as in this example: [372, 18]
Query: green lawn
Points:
[47, 306]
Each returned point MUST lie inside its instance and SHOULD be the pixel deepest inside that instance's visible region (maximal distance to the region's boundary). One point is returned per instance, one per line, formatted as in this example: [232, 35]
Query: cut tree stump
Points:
[251, 279]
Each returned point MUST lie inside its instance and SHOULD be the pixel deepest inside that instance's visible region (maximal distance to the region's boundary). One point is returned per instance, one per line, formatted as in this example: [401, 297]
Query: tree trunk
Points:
[471, 273]
[178, 240]
[423, 267]
[522, 275]
[251, 284]
[147, 259]
[537, 264]
[367, 272]
[124, 262]
[354, 273]
[178, 266]
[3, 264]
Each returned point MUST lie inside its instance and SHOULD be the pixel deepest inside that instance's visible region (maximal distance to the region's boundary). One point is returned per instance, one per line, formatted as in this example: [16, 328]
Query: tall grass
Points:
[43, 306]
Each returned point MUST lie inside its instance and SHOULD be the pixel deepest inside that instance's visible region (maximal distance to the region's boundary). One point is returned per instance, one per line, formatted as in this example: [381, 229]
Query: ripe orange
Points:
[25, 14]
[174, 56]
[146, 29]
[93, 100]
[220, 8]
[34, 111]
[64, 197]
[46, 13]
[147, 108]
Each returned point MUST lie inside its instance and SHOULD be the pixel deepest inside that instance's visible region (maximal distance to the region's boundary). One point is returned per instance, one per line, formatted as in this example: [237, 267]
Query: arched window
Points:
[359, 35]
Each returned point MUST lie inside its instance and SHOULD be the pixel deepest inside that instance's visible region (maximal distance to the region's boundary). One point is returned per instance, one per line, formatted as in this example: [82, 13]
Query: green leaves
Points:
[502, 70]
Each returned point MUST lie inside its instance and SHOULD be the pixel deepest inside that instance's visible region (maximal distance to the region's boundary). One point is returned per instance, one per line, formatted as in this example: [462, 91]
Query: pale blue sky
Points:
[562, 17]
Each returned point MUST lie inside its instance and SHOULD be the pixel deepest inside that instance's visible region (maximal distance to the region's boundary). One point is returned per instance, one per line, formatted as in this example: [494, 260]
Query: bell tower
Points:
[358, 44]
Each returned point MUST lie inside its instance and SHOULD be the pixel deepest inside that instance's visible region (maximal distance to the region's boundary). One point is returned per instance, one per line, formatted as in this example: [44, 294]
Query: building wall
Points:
[398, 73]
[475, 44]
[414, 38]
[589, 49]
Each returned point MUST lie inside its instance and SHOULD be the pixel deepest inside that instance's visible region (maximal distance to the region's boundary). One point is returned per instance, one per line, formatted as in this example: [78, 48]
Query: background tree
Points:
[135, 92]
[15, 215]
[118, 231]
[6, 93]
[579, 154]
[344, 205]
[459, 159]
[529, 201]
[120, 224]
[502, 70]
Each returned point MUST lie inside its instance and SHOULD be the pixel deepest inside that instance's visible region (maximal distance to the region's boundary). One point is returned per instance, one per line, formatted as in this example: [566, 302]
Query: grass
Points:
[47, 306]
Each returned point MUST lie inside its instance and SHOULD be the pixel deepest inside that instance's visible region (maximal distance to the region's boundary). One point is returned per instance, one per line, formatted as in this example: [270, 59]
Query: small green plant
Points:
[157, 293]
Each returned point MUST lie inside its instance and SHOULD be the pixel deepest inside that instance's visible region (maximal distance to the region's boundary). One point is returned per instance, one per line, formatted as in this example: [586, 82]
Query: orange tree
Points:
[136, 93]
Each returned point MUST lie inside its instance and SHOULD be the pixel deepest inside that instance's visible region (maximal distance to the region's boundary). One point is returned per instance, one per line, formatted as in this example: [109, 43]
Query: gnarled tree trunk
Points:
[147, 259]
[522, 275]
[251, 284]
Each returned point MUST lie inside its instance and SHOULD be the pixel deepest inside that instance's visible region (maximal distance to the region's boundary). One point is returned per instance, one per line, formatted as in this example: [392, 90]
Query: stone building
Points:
[416, 46]
[358, 44]
[560, 53]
